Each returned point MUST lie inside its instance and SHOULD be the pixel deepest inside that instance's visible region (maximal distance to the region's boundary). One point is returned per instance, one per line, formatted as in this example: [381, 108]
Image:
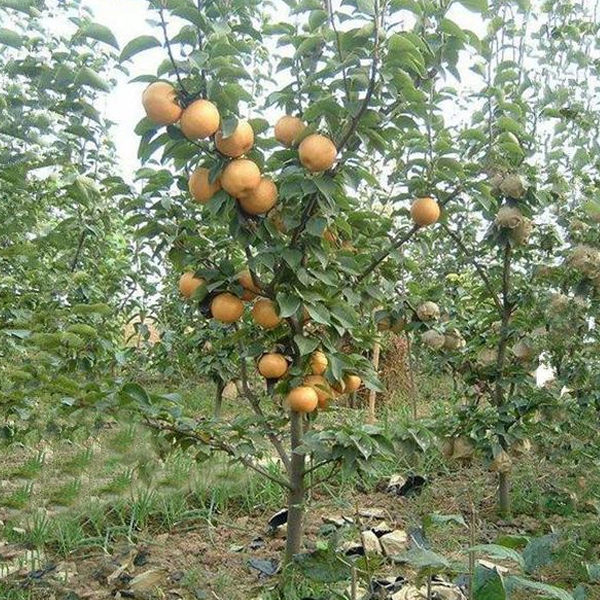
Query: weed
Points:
[31, 468]
[119, 482]
[123, 438]
[38, 529]
[18, 498]
[79, 462]
[66, 494]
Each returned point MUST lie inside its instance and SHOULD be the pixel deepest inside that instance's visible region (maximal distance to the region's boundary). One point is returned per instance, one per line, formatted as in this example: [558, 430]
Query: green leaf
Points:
[10, 38]
[436, 519]
[99, 32]
[72, 340]
[499, 552]
[305, 345]
[89, 77]
[410, 5]
[539, 552]
[191, 14]
[514, 581]
[316, 19]
[592, 208]
[593, 571]
[451, 28]
[488, 584]
[292, 257]
[323, 566]
[82, 329]
[318, 313]
[513, 541]
[80, 131]
[288, 305]
[135, 392]
[366, 6]
[479, 6]
[18, 333]
[228, 126]
[137, 45]
[344, 315]
[86, 309]
[24, 6]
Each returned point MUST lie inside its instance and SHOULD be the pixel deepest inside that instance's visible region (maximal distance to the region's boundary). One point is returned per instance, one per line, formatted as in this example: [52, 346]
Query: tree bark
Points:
[499, 397]
[411, 377]
[219, 398]
[504, 493]
[373, 394]
[296, 495]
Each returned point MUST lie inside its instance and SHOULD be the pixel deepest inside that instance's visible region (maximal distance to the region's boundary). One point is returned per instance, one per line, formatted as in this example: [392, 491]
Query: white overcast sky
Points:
[127, 20]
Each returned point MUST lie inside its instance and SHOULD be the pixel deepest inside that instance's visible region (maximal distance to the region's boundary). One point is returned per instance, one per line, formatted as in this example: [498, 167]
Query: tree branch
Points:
[307, 212]
[204, 78]
[371, 87]
[478, 267]
[255, 278]
[319, 465]
[395, 245]
[163, 25]
[338, 43]
[255, 404]
[75, 260]
[218, 445]
[399, 241]
[321, 480]
[506, 313]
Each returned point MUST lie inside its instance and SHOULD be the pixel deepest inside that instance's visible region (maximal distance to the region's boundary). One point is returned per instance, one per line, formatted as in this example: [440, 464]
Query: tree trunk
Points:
[504, 493]
[411, 377]
[373, 394]
[296, 494]
[499, 397]
[219, 398]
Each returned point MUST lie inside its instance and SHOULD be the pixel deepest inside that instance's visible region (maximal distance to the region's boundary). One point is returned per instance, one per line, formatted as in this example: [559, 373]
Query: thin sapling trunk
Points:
[297, 492]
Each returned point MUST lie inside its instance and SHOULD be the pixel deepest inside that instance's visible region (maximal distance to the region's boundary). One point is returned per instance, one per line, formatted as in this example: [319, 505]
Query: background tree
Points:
[64, 251]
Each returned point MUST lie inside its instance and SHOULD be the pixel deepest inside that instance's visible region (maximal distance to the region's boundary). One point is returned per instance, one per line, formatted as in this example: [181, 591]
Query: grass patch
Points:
[66, 494]
[79, 462]
[18, 498]
[31, 468]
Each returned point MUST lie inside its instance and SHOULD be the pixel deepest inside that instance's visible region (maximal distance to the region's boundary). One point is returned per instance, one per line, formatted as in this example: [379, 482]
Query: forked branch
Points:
[480, 270]
[400, 240]
[211, 442]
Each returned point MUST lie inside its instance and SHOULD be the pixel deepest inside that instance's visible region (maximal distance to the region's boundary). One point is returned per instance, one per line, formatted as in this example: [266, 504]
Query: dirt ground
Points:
[213, 560]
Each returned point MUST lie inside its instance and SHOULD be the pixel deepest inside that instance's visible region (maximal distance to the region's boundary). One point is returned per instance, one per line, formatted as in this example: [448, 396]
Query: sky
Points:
[127, 20]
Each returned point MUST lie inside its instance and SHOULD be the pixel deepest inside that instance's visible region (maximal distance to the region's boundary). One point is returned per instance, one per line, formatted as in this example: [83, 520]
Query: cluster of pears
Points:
[257, 195]
[229, 308]
[241, 179]
[316, 391]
